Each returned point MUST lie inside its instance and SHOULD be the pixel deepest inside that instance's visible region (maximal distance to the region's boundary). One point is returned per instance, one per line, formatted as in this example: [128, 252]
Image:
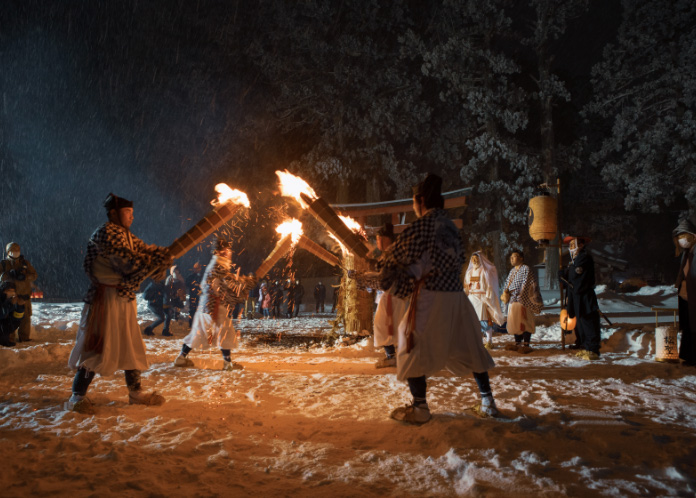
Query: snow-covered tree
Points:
[645, 87]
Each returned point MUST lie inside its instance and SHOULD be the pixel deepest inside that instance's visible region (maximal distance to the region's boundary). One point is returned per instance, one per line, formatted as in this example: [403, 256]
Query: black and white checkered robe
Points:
[524, 289]
[222, 288]
[435, 236]
[111, 241]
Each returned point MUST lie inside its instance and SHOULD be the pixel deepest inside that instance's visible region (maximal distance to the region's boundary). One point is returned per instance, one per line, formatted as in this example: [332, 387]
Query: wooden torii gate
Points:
[398, 209]
[357, 304]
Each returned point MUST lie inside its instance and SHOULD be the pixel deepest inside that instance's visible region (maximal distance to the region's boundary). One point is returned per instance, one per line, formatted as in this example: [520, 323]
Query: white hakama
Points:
[446, 336]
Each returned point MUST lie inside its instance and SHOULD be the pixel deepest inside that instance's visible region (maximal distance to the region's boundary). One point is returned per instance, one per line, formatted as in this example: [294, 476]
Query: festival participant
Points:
[524, 300]
[16, 268]
[582, 301]
[440, 329]
[390, 309]
[685, 239]
[108, 338]
[481, 285]
[154, 295]
[11, 312]
[220, 292]
[299, 296]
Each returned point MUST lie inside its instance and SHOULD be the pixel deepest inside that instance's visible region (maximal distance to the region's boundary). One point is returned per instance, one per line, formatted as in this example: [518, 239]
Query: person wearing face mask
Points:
[17, 269]
[685, 238]
[579, 278]
[481, 285]
[221, 291]
[109, 338]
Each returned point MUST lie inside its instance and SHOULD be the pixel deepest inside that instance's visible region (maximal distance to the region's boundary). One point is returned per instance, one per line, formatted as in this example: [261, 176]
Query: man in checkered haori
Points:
[440, 328]
[109, 337]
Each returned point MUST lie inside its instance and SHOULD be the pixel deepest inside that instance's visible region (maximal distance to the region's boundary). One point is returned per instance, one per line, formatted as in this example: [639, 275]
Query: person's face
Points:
[475, 261]
[515, 259]
[226, 253]
[196, 267]
[125, 216]
[11, 295]
[172, 271]
[14, 253]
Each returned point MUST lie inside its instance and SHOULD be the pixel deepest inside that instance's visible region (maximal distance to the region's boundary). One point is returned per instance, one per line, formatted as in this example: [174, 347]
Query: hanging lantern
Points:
[542, 218]
[567, 324]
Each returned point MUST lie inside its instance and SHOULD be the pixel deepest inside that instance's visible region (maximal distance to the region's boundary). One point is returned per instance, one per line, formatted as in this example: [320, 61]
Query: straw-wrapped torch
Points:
[291, 231]
[229, 201]
[294, 186]
[318, 251]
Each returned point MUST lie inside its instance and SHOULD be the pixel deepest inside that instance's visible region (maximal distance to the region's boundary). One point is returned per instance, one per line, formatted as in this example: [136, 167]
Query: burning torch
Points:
[296, 187]
[291, 232]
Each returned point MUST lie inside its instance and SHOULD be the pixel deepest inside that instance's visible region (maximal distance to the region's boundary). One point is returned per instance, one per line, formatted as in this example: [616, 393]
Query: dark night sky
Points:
[149, 100]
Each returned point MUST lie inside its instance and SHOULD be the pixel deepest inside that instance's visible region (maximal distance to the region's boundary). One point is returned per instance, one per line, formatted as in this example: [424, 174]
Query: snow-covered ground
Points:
[310, 420]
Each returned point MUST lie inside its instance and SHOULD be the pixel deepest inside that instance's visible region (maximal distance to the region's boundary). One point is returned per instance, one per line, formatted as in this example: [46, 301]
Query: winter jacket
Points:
[21, 273]
[582, 299]
[320, 292]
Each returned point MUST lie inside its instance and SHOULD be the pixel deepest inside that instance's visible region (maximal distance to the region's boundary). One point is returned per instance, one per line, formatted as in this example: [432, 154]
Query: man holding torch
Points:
[108, 338]
[220, 292]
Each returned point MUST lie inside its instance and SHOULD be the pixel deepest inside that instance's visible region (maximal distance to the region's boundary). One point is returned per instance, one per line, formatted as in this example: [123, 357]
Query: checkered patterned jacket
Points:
[222, 288]
[434, 240]
[134, 265]
[524, 289]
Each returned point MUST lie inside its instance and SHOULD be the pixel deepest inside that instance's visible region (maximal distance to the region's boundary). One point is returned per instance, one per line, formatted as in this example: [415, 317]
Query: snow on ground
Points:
[304, 419]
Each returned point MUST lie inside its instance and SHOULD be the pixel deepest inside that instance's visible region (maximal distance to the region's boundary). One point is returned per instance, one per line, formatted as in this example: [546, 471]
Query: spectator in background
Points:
[11, 312]
[174, 297]
[193, 287]
[290, 296]
[154, 295]
[336, 295]
[16, 268]
[319, 297]
[265, 299]
[685, 239]
[276, 298]
[299, 294]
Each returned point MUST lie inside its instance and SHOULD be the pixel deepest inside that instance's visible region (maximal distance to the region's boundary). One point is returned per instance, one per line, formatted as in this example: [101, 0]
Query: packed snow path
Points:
[315, 422]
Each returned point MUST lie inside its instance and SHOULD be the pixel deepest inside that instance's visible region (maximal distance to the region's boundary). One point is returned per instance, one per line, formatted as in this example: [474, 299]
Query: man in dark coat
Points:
[685, 239]
[276, 298]
[154, 295]
[299, 294]
[11, 312]
[290, 296]
[582, 300]
[319, 296]
[193, 288]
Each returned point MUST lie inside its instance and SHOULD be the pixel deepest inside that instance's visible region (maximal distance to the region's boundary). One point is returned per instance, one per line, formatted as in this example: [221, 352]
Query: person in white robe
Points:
[481, 285]
[109, 337]
[221, 290]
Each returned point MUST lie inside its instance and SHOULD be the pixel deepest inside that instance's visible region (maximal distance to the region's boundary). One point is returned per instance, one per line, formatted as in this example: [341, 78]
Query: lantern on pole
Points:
[543, 216]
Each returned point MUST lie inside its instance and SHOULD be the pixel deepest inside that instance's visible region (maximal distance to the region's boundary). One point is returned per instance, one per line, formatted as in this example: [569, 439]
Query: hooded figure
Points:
[481, 285]
[684, 238]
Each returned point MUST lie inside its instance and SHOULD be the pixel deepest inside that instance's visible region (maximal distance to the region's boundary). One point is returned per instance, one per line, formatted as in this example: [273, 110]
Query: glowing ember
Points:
[227, 194]
[292, 227]
[293, 186]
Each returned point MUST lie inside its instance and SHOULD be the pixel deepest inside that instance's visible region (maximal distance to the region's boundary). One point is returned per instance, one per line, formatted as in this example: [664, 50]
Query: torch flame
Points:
[293, 186]
[352, 224]
[227, 194]
[292, 227]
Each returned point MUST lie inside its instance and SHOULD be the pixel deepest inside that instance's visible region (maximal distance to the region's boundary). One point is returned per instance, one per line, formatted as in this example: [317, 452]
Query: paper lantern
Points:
[666, 347]
[567, 324]
[542, 218]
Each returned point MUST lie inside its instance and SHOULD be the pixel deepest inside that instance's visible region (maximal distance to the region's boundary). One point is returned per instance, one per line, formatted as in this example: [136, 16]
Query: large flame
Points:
[227, 194]
[293, 186]
[292, 227]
